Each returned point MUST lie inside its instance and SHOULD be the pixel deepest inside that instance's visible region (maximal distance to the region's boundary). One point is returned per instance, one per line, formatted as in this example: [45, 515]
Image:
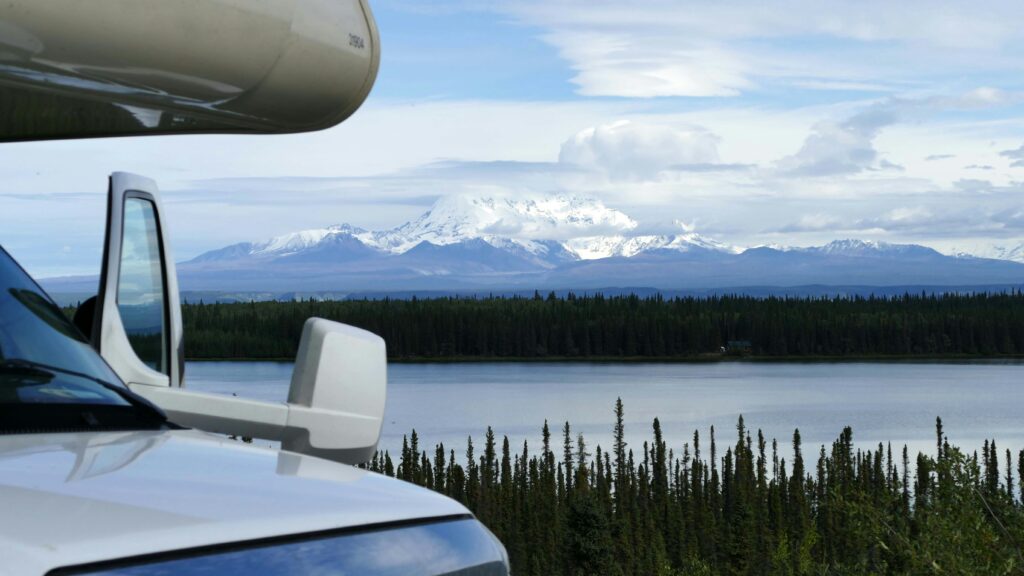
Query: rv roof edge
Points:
[70, 69]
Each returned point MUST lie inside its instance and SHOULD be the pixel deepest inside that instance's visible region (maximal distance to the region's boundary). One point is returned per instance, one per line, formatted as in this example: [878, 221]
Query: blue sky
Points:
[441, 53]
[790, 122]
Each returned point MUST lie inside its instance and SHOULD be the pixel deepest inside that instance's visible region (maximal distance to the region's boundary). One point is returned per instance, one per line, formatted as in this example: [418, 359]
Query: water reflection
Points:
[883, 402]
[94, 454]
[140, 286]
[452, 547]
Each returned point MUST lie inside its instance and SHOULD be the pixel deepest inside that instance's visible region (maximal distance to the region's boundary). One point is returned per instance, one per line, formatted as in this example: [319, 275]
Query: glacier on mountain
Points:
[1012, 252]
[561, 227]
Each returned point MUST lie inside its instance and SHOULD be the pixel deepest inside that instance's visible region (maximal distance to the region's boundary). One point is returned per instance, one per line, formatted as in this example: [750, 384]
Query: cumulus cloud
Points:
[901, 218]
[974, 185]
[1016, 156]
[629, 150]
[884, 164]
[845, 147]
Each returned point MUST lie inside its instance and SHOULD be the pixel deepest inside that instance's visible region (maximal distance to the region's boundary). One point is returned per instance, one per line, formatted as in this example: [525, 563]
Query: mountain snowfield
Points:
[466, 243]
[584, 228]
[1014, 253]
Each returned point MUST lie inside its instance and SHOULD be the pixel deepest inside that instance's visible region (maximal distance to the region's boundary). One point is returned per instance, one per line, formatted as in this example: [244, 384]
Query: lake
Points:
[883, 402]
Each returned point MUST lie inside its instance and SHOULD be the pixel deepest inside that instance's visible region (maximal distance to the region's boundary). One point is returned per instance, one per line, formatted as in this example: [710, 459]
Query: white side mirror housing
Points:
[335, 405]
[338, 392]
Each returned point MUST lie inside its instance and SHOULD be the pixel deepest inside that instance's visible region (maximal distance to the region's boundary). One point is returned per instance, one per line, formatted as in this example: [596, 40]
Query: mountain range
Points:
[495, 244]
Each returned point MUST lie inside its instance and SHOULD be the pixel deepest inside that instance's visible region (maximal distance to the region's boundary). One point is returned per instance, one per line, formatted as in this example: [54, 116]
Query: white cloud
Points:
[1015, 155]
[974, 185]
[904, 217]
[652, 48]
[608, 64]
[982, 97]
[815, 222]
[845, 147]
[630, 150]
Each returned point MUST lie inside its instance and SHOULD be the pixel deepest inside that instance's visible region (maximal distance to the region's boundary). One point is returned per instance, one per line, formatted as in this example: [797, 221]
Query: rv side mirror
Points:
[336, 402]
[137, 325]
[335, 405]
[338, 391]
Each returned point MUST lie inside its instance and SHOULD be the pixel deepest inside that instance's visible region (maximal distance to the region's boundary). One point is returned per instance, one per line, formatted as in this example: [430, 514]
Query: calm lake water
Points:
[883, 402]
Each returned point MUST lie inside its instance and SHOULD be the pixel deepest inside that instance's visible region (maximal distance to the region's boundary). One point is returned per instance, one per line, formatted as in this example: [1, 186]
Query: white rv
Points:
[108, 464]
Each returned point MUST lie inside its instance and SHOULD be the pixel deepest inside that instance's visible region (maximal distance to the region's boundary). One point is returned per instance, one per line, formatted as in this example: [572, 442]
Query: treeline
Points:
[625, 327]
[747, 511]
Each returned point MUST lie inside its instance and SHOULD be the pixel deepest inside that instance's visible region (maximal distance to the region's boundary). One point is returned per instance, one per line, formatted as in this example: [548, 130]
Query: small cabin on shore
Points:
[737, 347]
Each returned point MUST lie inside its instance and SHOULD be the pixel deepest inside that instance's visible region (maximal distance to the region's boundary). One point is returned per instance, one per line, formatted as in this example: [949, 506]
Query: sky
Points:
[790, 122]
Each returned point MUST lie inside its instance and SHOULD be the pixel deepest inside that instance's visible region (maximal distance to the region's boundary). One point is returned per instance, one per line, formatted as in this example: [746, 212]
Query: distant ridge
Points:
[817, 291]
[510, 245]
[72, 298]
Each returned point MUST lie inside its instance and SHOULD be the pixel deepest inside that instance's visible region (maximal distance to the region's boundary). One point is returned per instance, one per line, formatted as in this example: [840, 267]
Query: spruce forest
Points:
[627, 327]
[738, 507]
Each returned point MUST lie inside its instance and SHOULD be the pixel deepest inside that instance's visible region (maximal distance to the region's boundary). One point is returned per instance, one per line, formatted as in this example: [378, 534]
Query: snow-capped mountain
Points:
[497, 243]
[851, 247]
[500, 220]
[1014, 253]
[553, 229]
[619, 246]
[303, 240]
[871, 248]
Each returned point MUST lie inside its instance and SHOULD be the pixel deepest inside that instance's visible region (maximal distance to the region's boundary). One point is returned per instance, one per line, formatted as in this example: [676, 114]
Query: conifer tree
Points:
[681, 513]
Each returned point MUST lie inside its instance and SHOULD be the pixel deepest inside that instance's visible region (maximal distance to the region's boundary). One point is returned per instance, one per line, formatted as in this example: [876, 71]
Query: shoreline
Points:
[703, 359]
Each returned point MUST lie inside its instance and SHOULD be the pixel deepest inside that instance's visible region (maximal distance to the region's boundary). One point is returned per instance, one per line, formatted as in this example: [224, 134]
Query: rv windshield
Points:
[44, 359]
